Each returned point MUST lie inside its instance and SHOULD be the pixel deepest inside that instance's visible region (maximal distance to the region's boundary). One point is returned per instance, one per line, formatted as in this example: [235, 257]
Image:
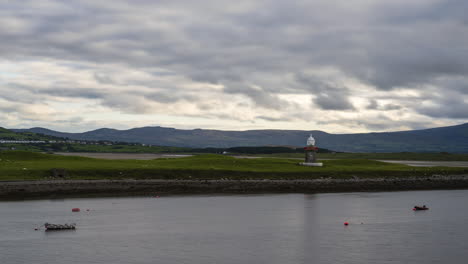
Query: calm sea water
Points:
[291, 228]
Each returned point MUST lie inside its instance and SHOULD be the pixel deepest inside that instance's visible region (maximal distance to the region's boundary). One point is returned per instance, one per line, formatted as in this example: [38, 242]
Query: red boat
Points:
[419, 208]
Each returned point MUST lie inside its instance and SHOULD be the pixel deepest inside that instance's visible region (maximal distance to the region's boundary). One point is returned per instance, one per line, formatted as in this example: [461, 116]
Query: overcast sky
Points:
[339, 66]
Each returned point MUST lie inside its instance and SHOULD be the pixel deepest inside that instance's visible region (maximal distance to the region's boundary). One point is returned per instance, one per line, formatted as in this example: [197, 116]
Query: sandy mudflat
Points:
[430, 163]
[150, 156]
[136, 156]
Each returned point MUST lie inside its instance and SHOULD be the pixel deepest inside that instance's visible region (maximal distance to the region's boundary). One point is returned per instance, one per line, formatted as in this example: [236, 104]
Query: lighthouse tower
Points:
[311, 141]
[311, 153]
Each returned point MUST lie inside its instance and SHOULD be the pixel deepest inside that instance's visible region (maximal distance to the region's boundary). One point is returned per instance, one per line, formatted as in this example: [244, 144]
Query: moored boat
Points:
[419, 208]
[50, 227]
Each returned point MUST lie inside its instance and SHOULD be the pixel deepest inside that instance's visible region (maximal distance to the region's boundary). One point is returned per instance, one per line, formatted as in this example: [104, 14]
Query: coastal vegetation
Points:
[20, 165]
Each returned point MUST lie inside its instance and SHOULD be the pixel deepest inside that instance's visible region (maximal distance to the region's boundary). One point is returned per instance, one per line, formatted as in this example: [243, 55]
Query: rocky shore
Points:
[80, 188]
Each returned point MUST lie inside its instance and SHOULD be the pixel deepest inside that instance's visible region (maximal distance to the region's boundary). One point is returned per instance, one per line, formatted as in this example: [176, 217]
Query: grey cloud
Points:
[274, 119]
[374, 105]
[125, 100]
[28, 93]
[448, 99]
[9, 109]
[395, 56]
[88, 93]
[448, 107]
[18, 94]
[258, 95]
[333, 100]
[103, 78]
[389, 107]
[168, 97]
[380, 122]
[254, 43]
[74, 120]
[328, 96]
[127, 103]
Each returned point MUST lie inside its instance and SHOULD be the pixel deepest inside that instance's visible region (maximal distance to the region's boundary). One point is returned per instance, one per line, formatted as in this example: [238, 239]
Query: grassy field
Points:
[19, 165]
[380, 156]
[116, 148]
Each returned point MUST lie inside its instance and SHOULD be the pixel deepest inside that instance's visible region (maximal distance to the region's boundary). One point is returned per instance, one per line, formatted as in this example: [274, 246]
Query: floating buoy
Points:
[346, 223]
[75, 209]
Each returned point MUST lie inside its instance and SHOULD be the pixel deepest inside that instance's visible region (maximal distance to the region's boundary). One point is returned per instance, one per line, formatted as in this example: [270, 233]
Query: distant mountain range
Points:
[442, 139]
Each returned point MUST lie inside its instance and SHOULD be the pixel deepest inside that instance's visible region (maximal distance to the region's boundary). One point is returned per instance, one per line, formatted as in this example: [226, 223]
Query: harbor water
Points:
[267, 228]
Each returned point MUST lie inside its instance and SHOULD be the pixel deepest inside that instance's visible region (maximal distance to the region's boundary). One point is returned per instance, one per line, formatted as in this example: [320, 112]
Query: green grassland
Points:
[115, 148]
[20, 165]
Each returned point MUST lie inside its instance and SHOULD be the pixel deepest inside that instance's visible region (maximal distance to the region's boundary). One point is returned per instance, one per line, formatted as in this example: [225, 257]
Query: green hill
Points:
[6, 134]
[452, 139]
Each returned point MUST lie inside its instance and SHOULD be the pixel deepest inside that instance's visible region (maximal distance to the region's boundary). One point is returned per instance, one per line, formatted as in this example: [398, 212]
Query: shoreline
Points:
[50, 189]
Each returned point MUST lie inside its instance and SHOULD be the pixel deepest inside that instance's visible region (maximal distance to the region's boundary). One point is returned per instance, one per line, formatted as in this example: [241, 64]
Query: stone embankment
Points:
[79, 188]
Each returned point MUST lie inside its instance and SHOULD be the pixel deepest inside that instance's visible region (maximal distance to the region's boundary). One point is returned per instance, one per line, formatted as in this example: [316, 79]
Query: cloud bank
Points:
[351, 66]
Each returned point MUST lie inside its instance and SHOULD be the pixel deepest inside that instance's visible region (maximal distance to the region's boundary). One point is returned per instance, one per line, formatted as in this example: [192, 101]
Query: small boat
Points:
[419, 208]
[50, 227]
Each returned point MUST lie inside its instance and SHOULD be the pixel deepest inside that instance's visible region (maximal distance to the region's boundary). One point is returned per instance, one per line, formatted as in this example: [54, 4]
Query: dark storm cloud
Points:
[252, 47]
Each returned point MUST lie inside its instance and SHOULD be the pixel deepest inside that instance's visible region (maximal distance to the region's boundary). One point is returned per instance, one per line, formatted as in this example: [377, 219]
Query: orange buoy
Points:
[346, 223]
[75, 209]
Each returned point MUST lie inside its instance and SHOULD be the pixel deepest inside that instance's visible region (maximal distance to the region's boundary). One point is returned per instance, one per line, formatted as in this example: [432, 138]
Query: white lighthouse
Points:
[311, 153]
[311, 141]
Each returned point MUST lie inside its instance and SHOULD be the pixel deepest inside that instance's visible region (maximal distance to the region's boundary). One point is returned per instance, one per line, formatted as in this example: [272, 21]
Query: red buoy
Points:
[75, 209]
[346, 223]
